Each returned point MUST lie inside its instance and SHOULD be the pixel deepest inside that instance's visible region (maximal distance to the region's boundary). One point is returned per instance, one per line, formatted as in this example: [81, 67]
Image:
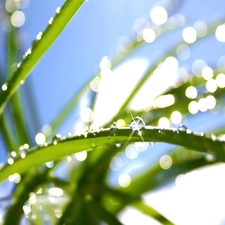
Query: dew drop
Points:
[11, 156]
[152, 143]
[23, 150]
[188, 131]
[210, 157]
[39, 35]
[56, 139]
[58, 10]
[182, 127]
[118, 145]
[113, 129]
[18, 65]
[50, 21]
[137, 123]
[213, 136]
[4, 86]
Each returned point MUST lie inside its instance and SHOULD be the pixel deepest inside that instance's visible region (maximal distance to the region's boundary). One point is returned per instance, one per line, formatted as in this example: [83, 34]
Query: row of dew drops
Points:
[29, 51]
[136, 124]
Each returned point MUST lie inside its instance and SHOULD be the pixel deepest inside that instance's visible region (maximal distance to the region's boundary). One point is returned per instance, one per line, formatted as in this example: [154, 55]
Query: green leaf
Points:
[38, 156]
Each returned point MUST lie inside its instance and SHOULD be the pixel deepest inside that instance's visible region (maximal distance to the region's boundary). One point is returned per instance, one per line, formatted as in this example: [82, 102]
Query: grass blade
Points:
[39, 47]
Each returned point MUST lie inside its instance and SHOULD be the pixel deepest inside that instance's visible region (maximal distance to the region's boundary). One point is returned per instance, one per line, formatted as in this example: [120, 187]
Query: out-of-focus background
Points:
[95, 34]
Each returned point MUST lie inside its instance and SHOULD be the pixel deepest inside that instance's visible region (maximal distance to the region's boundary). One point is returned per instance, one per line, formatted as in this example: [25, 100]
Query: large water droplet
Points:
[56, 139]
[182, 127]
[137, 123]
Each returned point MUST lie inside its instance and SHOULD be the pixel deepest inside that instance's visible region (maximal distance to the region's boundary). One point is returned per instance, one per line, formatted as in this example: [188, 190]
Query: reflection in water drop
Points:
[137, 123]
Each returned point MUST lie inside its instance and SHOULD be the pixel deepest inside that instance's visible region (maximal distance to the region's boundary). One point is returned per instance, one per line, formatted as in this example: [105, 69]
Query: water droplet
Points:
[210, 156]
[58, 10]
[4, 86]
[15, 178]
[39, 36]
[118, 145]
[113, 129]
[188, 131]
[23, 150]
[18, 65]
[137, 123]
[152, 143]
[182, 127]
[49, 164]
[11, 157]
[213, 136]
[50, 21]
[56, 139]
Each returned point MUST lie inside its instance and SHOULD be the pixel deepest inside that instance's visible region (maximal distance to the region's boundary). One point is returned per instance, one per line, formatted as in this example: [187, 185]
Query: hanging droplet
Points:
[182, 127]
[56, 139]
[118, 145]
[137, 123]
[4, 86]
[152, 143]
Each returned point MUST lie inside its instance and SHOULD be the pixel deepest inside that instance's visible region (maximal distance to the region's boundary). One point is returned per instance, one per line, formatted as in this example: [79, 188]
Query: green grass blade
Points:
[38, 156]
[39, 47]
[148, 210]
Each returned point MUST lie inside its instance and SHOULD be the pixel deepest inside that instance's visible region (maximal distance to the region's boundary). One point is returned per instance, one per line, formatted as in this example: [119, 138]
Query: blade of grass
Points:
[38, 156]
[39, 47]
